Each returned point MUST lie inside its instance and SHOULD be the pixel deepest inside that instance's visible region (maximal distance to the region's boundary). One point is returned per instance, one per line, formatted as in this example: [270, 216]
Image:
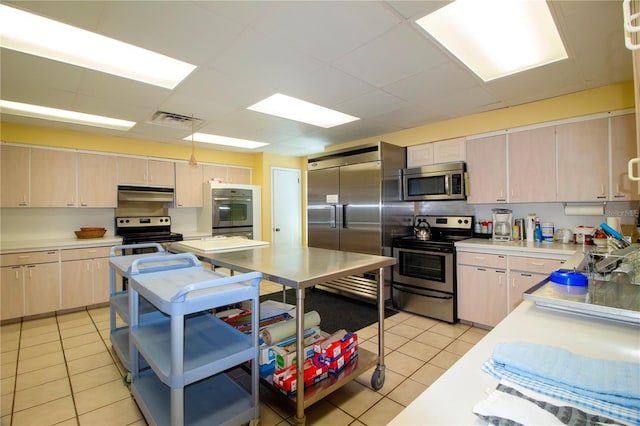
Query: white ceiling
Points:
[364, 58]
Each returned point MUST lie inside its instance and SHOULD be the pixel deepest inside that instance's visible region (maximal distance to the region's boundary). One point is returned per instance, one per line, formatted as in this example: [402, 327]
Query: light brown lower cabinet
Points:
[85, 276]
[491, 285]
[30, 284]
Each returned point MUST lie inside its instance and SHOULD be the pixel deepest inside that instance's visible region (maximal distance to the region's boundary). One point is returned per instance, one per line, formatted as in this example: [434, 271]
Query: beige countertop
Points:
[518, 248]
[17, 246]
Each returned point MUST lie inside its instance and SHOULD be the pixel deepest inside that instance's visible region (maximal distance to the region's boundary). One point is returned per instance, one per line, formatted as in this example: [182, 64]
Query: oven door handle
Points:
[424, 293]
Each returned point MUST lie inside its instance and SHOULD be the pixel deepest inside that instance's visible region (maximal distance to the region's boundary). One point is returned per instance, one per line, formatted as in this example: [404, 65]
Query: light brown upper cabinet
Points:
[14, 186]
[53, 178]
[583, 160]
[188, 185]
[486, 158]
[623, 148]
[532, 166]
[97, 181]
[226, 174]
[140, 171]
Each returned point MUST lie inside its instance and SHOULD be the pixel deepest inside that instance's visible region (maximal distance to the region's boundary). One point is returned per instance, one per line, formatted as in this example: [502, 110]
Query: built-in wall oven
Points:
[232, 212]
[424, 278]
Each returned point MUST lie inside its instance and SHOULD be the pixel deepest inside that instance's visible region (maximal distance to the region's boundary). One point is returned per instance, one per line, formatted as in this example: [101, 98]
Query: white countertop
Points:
[522, 248]
[451, 398]
[16, 246]
[57, 243]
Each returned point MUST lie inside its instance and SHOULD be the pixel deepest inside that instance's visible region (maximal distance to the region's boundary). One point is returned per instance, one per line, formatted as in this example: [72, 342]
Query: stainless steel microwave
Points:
[436, 182]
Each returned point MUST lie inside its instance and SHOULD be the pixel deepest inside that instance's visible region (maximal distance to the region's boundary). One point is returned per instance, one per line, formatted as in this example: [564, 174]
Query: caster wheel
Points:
[377, 379]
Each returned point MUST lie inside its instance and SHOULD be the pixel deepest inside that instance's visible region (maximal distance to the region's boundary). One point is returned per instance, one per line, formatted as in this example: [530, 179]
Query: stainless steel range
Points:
[424, 279]
[146, 229]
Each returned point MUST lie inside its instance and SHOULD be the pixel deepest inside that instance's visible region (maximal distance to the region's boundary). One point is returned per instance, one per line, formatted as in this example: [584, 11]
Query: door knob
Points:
[277, 229]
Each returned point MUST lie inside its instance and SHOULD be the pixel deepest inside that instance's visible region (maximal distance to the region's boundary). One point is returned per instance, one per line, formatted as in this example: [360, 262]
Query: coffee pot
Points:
[502, 219]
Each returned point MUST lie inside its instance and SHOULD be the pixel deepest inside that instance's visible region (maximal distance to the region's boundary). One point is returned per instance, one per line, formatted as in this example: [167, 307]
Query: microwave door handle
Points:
[447, 184]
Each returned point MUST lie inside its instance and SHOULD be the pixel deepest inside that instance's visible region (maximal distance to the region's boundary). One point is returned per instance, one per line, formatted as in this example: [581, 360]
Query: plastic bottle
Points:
[547, 231]
[477, 228]
[537, 232]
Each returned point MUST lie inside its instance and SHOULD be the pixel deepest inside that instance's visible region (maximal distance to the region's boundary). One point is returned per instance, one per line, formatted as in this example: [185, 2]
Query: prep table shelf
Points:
[189, 350]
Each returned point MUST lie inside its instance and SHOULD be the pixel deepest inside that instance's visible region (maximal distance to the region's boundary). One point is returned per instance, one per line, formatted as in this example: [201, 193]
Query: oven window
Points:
[426, 185]
[422, 265]
[233, 212]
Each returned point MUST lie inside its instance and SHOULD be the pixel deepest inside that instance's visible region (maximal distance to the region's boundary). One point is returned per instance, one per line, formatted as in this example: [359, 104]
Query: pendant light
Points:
[192, 161]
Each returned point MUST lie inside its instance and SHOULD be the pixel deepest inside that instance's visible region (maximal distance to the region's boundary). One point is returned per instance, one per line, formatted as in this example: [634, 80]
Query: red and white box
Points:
[314, 372]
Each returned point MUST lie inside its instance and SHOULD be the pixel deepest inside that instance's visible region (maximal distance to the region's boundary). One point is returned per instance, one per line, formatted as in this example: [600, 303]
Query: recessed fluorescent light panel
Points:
[35, 35]
[224, 140]
[45, 113]
[496, 38]
[294, 109]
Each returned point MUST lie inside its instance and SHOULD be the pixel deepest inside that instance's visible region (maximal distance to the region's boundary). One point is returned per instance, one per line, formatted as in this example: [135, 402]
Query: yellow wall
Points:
[603, 99]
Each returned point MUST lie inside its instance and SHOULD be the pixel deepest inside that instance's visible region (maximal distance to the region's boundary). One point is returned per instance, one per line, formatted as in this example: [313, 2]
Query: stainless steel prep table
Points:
[301, 268]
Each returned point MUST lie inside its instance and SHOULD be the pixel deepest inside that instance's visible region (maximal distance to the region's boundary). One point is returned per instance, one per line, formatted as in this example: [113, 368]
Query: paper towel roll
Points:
[284, 329]
[614, 222]
[584, 210]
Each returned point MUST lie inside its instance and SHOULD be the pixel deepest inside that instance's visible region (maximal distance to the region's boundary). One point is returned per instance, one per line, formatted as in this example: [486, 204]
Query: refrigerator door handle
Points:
[332, 219]
[344, 216]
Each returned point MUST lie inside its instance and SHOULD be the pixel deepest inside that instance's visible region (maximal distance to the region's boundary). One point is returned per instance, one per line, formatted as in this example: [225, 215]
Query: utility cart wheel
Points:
[126, 379]
[377, 379]
[254, 422]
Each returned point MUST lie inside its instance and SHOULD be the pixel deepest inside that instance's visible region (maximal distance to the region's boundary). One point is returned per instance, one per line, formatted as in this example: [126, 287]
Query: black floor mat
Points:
[336, 311]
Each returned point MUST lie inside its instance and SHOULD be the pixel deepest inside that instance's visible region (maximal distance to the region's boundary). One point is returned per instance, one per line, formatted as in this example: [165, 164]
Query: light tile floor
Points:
[61, 370]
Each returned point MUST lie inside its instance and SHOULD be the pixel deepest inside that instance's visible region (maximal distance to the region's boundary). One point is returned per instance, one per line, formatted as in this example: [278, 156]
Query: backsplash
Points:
[547, 212]
[59, 223]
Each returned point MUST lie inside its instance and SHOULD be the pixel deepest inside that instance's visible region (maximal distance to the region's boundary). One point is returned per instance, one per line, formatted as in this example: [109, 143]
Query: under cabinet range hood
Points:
[145, 194]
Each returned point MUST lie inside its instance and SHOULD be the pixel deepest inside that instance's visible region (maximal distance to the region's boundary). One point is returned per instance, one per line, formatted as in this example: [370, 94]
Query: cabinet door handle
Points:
[537, 263]
[24, 256]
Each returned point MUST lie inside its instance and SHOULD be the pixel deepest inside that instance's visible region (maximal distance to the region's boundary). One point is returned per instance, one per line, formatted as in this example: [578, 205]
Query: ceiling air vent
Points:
[163, 118]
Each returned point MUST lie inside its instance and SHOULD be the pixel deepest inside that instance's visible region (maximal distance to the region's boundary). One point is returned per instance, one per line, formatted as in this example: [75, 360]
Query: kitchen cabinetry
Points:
[53, 178]
[486, 158]
[482, 288]
[583, 166]
[189, 350]
[532, 166]
[14, 176]
[188, 185]
[30, 284]
[623, 147]
[419, 155]
[227, 174]
[484, 297]
[436, 152]
[525, 272]
[85, 276]
[141, 171]
[97, 181]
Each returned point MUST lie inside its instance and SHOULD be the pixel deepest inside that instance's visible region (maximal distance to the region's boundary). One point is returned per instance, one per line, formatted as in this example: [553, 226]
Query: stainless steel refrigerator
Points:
[355, 204]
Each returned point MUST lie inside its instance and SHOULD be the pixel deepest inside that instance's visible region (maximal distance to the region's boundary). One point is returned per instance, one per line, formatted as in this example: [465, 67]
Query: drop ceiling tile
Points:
[22, 71]
[258, 59]
[414, 10]
[179, 29]
[81, 14]
[433, 83]
[371, 104]
[326, 86]
[326, 30]
[396, 55]
[117, 90]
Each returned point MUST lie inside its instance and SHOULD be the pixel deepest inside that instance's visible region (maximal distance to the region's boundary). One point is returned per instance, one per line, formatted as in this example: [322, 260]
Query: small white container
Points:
[547, 231]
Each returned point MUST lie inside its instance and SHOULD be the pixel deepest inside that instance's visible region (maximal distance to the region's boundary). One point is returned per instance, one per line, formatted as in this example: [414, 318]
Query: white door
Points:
[286, 220]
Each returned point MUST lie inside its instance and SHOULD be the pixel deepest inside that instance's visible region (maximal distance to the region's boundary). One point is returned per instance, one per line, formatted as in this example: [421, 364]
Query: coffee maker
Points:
[502, 221]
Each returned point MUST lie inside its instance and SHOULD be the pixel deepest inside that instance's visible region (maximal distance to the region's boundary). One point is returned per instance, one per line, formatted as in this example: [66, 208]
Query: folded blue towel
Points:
[613, 381]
